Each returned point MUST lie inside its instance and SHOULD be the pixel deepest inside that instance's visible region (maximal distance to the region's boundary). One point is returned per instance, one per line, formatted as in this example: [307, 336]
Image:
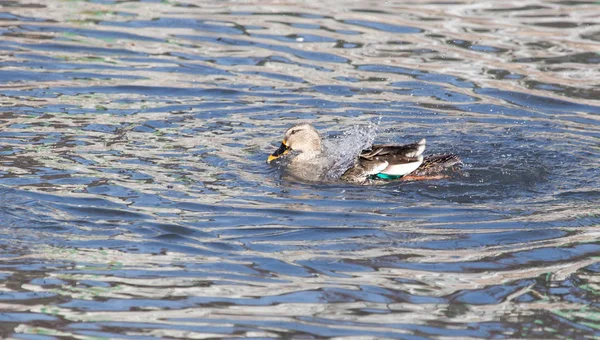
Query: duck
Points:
[380, 162]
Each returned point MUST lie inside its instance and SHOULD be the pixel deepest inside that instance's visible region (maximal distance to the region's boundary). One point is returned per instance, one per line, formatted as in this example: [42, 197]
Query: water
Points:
[136, 201]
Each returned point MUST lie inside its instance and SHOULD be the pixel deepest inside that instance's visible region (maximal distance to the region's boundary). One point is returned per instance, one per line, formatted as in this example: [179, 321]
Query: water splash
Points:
[342, 151]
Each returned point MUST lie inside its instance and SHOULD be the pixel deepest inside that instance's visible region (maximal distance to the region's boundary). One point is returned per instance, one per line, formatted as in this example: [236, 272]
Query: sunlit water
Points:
[137, 203]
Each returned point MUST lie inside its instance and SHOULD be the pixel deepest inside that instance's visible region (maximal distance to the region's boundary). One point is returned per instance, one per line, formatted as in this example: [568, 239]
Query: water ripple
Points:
[137, 202]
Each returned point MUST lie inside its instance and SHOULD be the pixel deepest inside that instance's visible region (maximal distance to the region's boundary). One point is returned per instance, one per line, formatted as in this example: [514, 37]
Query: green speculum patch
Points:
[384, 176]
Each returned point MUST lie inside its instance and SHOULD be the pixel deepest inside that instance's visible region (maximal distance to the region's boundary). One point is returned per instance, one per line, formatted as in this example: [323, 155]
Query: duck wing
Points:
[394, 160]
[394, 152]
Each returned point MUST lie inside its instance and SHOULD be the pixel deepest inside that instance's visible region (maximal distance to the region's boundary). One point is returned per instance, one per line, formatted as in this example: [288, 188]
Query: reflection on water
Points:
[136, 201]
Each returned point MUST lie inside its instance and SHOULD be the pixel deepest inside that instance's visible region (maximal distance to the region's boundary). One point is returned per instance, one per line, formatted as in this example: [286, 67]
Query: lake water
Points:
[137, 203]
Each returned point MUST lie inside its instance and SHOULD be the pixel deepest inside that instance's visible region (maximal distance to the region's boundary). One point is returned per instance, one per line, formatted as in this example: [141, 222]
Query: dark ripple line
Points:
[21, 76]
[514, 260]
[99, 34]
[4, 16]
[418, 74]
[157, 91]
[315, 56]
[383, 26]
[544, 104]
[196, 24]
[73, 48]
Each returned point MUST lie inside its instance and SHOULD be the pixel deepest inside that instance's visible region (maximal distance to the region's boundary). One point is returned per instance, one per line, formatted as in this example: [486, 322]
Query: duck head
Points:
[302, 138]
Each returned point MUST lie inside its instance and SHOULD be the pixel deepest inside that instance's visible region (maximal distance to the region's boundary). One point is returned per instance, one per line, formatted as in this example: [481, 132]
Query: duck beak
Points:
[283, 149]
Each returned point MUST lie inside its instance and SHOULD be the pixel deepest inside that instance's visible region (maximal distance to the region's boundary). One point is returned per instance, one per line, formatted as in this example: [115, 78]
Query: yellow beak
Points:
[283, 149]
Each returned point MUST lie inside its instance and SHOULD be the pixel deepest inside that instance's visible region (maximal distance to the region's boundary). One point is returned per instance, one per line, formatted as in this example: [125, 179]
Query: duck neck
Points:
[308, 155]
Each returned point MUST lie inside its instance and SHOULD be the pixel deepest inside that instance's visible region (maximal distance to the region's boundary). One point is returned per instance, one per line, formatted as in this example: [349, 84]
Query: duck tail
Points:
[437, 163]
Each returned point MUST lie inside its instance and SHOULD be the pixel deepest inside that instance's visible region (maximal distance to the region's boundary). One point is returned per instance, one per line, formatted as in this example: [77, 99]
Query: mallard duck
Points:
[379, 162]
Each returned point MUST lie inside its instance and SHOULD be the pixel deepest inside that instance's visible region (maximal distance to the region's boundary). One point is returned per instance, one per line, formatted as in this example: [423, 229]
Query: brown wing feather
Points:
[392, 151]
[437, 163]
